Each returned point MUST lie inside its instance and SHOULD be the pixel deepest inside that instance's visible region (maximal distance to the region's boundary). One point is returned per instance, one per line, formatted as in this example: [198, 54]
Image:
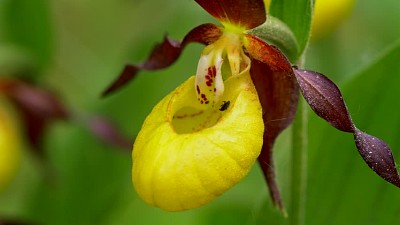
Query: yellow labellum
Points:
[10, 154]
[186, 155]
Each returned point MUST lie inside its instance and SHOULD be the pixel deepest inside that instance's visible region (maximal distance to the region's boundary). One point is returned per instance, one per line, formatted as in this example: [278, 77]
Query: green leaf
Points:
[297, 14]
[342, 189]
[27, 24]
[276, 32]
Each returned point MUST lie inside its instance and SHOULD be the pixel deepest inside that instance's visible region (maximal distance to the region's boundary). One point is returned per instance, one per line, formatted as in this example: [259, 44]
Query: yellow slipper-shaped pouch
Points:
[187, 154]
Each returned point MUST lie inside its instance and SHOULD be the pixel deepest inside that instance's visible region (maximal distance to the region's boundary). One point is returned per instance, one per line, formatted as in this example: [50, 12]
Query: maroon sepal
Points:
[268, 54]
[325, 99]
[278, 93]
[247, 14]
[378, 156]
[166, 53]
[38, 107]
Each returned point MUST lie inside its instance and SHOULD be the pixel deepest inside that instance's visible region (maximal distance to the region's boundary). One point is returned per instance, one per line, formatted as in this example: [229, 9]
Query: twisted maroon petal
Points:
[247, 14]
[278, 93]
[166, 53]
[378, 156]
[325, 99]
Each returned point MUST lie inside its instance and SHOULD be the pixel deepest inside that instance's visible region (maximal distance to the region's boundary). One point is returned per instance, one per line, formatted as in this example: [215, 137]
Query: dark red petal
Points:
[268, 54]
[325, 99]
[378, 156]
[166, 53]
[327, 102]
[247, 14]
[38, 107]
[204, 34]
[278, 93]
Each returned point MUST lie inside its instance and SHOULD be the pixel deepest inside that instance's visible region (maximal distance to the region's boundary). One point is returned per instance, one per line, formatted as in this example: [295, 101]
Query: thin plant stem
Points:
[298, 177]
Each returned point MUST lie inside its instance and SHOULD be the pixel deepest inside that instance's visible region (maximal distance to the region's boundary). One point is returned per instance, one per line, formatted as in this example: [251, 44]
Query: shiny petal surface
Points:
[246, 14]
[278, 93]
[166, 53]
[327, 102]
[378, 156]
[325, 99]
[185, 156]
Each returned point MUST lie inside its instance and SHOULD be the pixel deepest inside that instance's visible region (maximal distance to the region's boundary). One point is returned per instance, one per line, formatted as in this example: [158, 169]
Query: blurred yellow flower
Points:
[10, 154]
[328, 14]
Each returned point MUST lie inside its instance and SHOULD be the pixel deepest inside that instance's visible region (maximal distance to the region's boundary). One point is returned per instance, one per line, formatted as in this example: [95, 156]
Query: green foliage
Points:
[277, 33]
[339, 179]
[27, 24]
[297, 14]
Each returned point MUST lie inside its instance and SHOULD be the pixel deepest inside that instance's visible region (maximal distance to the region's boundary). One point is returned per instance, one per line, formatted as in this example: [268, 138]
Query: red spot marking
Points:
[198, 89]
[207, 102]
[211, 74]
[212, 71]
[215, 90]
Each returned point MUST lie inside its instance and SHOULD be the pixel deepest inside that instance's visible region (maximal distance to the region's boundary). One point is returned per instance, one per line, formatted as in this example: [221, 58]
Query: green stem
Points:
[298, 178]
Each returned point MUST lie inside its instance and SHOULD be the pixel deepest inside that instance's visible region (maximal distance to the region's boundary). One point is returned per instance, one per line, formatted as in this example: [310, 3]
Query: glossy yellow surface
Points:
[186, 155]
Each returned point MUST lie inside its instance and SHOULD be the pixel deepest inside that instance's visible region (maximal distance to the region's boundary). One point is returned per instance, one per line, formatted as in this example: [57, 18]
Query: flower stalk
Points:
[299, 160]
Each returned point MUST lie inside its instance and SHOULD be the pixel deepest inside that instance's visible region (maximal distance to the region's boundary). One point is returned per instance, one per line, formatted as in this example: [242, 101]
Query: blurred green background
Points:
[77, 47]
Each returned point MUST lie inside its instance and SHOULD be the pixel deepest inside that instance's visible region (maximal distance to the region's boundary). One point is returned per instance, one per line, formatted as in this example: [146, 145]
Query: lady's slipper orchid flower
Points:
[203, 137]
